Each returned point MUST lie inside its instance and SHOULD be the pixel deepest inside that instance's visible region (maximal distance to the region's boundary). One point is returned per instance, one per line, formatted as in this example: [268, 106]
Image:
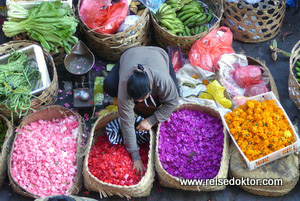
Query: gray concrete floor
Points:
[280, 71]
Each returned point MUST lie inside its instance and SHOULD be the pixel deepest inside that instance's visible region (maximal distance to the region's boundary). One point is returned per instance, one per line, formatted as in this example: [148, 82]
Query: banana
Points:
[210, 15]
[187, 31]
[203, 17]
[187, 7]
[193, 31]
[162, 8]
[298, 69]
[201, 29]
[191, 19]
[193, 10]
[167, 24]
[183, 18]
[166, 8]
[178, 30]
[205, 28]
[180, 34]
[197, 29]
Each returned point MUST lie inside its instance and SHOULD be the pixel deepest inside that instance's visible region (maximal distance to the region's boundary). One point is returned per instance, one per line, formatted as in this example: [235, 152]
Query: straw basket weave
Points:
[49, 95]
[49, 113]
[285, 168]
[5, 149]
[111, 46]
[294, 86]
[165, 39]
[168, 180]
[253, 23]
[91, 183]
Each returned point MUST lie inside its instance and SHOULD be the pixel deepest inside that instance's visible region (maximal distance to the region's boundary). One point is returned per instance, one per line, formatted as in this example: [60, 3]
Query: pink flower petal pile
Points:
[44, 156]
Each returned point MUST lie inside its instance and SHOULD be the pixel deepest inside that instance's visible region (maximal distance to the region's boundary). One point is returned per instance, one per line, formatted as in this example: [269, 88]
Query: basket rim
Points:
[149, 166]
[78, 150]
[248, 5]
[156, 25]
[225, 144]
[115, 35]
[293, 55]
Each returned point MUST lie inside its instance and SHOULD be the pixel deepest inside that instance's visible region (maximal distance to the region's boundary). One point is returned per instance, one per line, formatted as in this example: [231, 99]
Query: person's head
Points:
[138, 84]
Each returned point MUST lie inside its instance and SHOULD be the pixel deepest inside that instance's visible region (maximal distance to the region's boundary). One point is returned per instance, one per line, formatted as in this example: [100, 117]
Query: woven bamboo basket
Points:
[5, 149]
[165, 39]
[111, 46]
[253, 23]
[168, 180]
[49, 113]
[91, 183]
[49, 95]
[285, 168]
[294, 86]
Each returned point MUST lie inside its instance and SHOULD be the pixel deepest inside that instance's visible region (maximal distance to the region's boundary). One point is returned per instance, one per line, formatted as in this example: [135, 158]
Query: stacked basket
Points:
[253, 23]
[111, 46]
[294, 86]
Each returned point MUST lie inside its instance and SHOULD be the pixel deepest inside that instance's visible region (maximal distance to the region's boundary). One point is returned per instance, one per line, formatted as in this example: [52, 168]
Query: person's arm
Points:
[169, 98]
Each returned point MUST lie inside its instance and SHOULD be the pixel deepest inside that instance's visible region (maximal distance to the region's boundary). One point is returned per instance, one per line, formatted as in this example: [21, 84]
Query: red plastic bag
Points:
[107, 21]
[247, 75]
[207, 51]
[176, 57]
[255, 89]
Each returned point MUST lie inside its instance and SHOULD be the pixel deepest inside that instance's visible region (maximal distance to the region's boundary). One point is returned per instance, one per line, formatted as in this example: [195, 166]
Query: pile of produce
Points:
[260, 128]
[3, 129]
[112, 163]
[18, 77]
[297, 74]
[44, 156]
[184, 18]
[48, 23]
[191, 144]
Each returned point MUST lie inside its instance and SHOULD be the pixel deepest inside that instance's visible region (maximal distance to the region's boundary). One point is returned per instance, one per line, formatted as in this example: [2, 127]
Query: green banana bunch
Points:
[175, 4]
[298, 74]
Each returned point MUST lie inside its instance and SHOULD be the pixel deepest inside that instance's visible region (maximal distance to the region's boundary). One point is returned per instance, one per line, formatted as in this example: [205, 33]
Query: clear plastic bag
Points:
[129, 21]
[152, 5]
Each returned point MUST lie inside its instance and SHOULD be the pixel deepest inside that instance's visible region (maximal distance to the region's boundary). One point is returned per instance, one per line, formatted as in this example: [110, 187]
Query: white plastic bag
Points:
[128, 22]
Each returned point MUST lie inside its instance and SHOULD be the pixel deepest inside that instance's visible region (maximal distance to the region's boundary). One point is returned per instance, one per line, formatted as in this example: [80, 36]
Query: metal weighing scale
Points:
[79, 63]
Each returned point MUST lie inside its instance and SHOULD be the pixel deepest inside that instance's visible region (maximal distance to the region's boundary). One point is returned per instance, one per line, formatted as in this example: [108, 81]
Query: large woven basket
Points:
[165, 39]
[5, 149]
[168, 180]
[294, 86]
[111, 46]
[285, 168]
[49, 95]
[49, 113]
[253, 23]
[91, 183]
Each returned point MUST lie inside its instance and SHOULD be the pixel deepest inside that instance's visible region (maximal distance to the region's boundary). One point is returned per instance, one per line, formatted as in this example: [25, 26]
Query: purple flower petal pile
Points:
[191, 144]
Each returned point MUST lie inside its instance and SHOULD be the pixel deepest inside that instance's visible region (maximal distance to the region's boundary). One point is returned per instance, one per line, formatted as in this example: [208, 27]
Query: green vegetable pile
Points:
[49, 23]
[3, 129]
[184, 18]
[17, 79]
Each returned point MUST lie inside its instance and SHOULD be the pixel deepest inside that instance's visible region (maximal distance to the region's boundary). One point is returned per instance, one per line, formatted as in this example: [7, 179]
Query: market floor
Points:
[280, 72]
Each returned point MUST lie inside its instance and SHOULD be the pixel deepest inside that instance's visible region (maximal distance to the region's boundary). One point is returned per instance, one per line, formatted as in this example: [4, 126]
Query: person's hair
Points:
[138, 84]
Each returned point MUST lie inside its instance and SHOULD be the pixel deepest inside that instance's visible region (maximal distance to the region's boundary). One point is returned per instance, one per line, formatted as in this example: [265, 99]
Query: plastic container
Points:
[275, 155]
[35, 53]
[30, 4]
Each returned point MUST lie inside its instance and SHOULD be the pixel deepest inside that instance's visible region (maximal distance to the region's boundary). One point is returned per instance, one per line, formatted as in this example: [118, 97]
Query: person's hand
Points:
[139, 166]
[144, 126]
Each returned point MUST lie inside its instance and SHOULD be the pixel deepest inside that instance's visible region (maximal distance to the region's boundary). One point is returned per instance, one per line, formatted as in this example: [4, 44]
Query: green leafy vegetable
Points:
[49, 23]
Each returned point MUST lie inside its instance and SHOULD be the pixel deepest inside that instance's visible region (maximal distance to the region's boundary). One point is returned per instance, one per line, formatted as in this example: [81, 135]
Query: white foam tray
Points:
[35, 52]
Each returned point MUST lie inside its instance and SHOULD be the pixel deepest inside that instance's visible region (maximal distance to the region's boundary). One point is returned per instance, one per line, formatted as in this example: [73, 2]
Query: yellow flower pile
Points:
[260, 128]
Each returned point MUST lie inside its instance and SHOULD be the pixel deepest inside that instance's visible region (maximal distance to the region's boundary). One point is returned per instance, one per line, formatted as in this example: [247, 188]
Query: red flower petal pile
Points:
[112, 163]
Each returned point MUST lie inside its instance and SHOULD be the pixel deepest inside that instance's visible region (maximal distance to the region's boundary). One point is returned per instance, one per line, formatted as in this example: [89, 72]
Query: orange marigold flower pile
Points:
[260, 128]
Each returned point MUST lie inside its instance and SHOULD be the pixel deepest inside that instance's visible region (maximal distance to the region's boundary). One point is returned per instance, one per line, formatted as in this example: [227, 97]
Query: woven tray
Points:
[91, 183]
[49, 95]
[285, 168]
[111, 46]
[253, 23]
[294, 86]
[165, 39]
[168, 180]
[49, 113]
[5, 150]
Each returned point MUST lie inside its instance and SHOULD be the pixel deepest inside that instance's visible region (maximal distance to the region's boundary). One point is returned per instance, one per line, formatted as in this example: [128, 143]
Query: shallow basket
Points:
[49, 95]
[285, 168]
[294, 86]
[165, 39]
[253, 23]
[168, 180]
[111, 46]
[5, 149]
[91, 183]
[49, 113]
